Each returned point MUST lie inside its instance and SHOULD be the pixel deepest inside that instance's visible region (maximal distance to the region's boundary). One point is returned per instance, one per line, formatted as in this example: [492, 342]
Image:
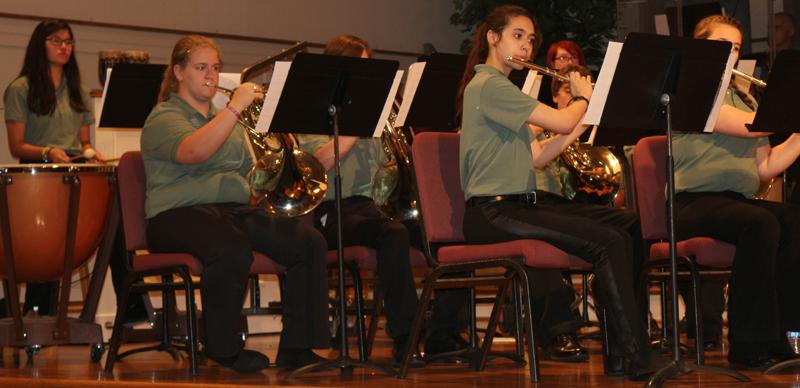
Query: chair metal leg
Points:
[191, 321]
[585, 296]
[473, 316]
[698, 316]
[116, 333]
[359, 300]
[528, 321]
[486, 345]
[416, 327]
[519, 335]
[377, 308]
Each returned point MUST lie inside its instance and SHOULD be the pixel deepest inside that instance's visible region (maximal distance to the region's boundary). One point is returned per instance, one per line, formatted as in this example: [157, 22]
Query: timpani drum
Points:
[108, 58]
[47, 205]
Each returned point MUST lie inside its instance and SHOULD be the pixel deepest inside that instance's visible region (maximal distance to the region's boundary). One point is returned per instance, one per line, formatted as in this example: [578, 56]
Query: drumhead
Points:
[55, 167]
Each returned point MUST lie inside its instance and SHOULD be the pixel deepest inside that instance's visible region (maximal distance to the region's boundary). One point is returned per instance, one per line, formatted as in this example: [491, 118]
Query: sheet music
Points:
[662, 24]
[603, 84]
[723, 88]
[409, 91]
[276, 83]
[533, 82]
[99, 113]
[387, 106]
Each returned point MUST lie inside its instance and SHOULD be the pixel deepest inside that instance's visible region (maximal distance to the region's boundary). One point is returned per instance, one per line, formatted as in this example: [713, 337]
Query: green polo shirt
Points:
[58, 130]
[171, 184]
[495, 149]
[551, 177]
[716, 162]
[357, 167]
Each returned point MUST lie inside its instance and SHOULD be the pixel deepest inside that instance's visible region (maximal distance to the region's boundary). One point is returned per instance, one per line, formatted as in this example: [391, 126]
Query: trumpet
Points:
[753, 80]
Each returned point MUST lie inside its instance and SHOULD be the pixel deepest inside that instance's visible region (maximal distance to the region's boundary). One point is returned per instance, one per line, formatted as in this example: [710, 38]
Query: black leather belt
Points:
[527, 198]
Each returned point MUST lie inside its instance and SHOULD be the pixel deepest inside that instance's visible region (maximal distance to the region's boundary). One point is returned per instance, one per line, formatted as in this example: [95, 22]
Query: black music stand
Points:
[131, 94]
[777, 116]
[323, 93]
[437, 85]
[668, 83]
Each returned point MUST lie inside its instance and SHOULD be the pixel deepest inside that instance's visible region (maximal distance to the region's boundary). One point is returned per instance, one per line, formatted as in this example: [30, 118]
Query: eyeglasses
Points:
[58, 42]
[565, 58]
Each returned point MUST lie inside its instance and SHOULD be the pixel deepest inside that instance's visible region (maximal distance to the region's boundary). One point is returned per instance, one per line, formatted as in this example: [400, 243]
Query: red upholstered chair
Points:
[650, 173]
[132, 185]
[442, 208]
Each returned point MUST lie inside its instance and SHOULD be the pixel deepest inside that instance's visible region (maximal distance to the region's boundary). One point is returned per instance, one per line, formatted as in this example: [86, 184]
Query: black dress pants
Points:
[763, 301]
[223, 237]
[364, 224]
[576, 228]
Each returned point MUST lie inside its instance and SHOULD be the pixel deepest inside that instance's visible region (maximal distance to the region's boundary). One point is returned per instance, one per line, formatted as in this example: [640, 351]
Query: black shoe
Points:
[292, 359]
[398, 351]
[642, 369]
[750, 356]
[566, 348]
[441, 344]
[614, 365]
[247, 361]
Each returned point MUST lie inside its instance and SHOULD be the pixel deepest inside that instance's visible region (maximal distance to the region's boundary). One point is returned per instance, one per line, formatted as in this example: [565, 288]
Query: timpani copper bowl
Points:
[52, 220]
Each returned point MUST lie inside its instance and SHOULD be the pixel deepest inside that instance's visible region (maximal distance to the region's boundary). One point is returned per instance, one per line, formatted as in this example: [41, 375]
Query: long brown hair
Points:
[41, 91]
[180, 56]
[347, 46]
[704, 29]
[479, 47]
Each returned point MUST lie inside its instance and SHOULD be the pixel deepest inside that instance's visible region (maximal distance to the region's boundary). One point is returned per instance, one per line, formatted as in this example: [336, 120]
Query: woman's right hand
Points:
[245, 94]
[580, 85]
[57, 155]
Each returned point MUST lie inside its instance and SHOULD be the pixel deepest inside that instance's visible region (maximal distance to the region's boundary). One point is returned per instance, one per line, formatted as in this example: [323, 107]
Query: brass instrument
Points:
[595, 172]
[541, 69]
[393, 186]
[284, 179]
[749, 78]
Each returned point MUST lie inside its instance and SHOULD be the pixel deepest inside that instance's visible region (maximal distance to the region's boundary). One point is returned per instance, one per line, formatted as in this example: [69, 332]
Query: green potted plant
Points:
[590, 23]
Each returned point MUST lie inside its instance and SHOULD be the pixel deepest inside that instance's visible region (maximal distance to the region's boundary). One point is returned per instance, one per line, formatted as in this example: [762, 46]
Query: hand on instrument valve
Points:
[245, 94]
[580, 85]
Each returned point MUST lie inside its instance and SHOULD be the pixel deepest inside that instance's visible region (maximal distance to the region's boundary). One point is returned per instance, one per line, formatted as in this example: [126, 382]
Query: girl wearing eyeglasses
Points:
[48, 113]
[47, 110]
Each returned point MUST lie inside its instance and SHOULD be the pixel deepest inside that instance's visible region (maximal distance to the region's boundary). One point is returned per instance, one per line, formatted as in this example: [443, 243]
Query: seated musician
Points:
[500, 185]
[195, 158]
[552, 297]
[48, 113]
[365, 224]
[716, 177]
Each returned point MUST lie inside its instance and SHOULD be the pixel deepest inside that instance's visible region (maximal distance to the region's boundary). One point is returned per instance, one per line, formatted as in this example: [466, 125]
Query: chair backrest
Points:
[650, 170]
[436, 168]
[132, 187]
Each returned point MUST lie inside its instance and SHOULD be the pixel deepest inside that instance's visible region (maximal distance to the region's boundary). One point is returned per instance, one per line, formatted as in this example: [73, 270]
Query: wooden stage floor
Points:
[69, 366]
